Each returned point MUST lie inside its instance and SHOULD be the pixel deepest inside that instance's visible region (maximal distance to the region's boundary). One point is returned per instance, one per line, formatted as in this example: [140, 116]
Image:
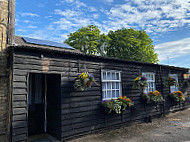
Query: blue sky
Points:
[166, 22]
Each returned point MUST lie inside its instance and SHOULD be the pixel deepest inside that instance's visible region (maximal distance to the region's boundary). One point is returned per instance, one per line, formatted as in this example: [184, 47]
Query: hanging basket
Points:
[83, 81]
[171, 82]
[140, 82]
[89, 83]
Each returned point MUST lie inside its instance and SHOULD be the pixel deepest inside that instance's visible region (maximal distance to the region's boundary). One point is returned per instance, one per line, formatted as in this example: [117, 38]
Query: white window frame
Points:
[149, 81]
[174, 88]
[111, 81]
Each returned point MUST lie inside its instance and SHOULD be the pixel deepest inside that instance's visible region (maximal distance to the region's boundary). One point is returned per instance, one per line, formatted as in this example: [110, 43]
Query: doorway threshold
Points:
[42, 138]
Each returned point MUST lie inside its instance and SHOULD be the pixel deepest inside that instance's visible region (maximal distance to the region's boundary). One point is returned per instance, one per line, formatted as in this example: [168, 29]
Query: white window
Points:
[111, 84]
[151, 82]
[174, 88]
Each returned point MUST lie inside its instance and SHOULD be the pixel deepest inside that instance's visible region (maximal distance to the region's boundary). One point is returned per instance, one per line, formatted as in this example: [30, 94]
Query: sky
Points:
[167, 22]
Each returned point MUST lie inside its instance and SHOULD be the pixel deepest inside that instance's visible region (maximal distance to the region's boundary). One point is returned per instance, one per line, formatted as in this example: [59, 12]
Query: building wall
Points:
[81, 112]
[3, 98]
[3, 23]
[6, 37]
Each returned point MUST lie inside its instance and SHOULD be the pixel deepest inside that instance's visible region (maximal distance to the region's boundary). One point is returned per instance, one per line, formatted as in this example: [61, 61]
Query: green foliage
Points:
[132, 45]
[117, 105]
[113, 105]
[140, 82]
[129, 44]
[83, 81]
[154, 97]
[177, 96]
[171, 82]
[88, 40]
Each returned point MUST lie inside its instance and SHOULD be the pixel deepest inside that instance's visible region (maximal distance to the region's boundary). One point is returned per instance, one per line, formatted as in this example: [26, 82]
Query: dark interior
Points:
[44, 104]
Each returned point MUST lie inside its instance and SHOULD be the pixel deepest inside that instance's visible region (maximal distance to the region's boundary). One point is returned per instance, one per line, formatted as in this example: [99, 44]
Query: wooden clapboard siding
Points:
[81, 111]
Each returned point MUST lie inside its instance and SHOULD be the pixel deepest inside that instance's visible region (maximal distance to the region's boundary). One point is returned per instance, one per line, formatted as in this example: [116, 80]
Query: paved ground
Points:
[175, 127]
[42, 140]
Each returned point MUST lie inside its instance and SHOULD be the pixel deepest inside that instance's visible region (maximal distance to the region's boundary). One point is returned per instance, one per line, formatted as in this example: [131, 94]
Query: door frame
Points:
[27, 95]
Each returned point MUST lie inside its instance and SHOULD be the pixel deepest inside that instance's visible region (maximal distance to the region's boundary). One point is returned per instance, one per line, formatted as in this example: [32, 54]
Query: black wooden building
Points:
[43, 99]
[37, 94]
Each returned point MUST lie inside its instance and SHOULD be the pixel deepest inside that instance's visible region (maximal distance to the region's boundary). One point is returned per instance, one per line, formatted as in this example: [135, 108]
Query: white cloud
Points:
[173, 49]
[79, 16]
[92, 9]
[109, 1]
[32, 27]
[29, 14]
[26, 21]
[21, 30]
[67, 13]
[64, 36]
[69, 1]
[79, 4]
[96, 16]
[152, 15]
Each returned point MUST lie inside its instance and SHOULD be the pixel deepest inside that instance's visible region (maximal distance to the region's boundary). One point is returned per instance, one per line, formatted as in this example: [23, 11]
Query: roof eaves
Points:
[59, 50]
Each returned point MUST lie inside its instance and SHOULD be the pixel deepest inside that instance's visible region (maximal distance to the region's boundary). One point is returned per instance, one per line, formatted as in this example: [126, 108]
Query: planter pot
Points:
[171, 84]
[89, 83]
[175, 103]
[84, 82]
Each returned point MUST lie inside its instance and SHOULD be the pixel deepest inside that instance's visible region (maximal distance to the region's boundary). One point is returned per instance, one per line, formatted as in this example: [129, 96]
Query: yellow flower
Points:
[156, 93]
[180, 94]
[136, 79]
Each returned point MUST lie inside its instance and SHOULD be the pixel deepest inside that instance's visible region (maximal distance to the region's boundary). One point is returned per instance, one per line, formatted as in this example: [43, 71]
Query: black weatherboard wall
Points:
[81, 112]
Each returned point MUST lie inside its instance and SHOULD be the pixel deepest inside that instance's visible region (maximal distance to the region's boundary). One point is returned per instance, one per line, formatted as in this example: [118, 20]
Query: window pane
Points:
[109, 76]
[117, 93]
[151, 77]
[151, 84]
[104, 75]
[117, 85]
[103, 86]
[174, 88]
[113, 85]
[117, 76]
[109, 85]
[152, 89]
[103, 94]
[113, 76]
[108, 94]
[113, 93]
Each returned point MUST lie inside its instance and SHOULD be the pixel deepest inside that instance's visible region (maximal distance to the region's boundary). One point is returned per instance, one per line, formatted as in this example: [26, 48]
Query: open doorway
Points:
[44, 104]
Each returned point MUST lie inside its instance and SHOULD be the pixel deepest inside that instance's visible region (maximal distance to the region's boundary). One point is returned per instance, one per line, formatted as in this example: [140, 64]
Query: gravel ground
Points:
[175, 127]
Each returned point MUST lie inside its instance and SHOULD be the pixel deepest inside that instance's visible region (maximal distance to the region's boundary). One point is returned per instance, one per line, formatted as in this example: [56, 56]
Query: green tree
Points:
[88, 40]
[130, 44]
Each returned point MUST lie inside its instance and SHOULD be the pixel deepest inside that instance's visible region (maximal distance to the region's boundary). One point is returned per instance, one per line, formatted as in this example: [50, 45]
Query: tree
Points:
[130, 44]
[88, 40]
